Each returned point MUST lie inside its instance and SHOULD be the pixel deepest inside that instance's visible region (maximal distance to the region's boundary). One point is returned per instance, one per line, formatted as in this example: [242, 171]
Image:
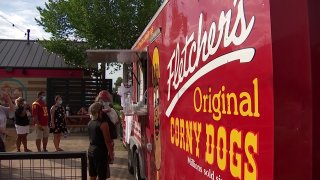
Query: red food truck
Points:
[224, 90]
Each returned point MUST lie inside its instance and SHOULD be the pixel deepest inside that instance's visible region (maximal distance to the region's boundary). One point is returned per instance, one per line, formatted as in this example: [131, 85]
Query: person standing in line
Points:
[40, 119]
[105, 98]
[100, 151]
[58, 122]
[21, 117]
[5, 112]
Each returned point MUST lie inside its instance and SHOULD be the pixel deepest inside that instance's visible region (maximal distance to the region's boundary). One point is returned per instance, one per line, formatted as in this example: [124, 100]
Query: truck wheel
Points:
[136, 167]
[130, 161]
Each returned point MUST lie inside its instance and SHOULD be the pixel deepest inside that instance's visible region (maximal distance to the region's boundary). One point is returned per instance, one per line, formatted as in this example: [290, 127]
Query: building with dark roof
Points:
[25, 67]
[22, 58]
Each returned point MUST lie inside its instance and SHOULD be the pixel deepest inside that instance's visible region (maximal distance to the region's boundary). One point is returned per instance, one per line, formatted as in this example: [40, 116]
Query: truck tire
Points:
[136, 167]
[130, 162]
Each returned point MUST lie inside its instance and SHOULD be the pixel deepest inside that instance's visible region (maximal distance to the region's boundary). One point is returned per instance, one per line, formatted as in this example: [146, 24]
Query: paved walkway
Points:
[78, 141]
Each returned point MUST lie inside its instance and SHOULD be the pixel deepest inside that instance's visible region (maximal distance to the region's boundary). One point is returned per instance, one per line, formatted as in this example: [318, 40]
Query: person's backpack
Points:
[112, 126]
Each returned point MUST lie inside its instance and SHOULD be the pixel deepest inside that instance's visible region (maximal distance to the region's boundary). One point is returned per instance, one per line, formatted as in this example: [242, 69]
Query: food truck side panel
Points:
[211, 95]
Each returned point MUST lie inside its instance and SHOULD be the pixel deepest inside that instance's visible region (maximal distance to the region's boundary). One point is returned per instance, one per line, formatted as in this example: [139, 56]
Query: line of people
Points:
[101, 128]
[40, 118]
[38, 113]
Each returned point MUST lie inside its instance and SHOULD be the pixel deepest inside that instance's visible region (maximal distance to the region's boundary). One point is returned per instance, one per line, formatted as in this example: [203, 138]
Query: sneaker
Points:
[59, 149]
[27, 150]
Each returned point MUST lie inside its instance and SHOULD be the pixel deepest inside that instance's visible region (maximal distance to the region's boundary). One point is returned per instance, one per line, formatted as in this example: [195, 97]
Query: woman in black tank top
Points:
[22, 123]
[100, 151]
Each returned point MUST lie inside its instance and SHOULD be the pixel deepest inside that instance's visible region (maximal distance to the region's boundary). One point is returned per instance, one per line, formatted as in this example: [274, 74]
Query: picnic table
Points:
[77, 121]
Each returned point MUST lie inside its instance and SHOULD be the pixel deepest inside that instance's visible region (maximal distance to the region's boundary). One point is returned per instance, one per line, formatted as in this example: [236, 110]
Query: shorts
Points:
[22, 129]
[98, 165]
[44, 133]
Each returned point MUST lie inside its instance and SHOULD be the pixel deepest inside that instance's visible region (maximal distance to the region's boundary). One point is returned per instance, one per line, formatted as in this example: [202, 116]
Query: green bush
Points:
[117, 108]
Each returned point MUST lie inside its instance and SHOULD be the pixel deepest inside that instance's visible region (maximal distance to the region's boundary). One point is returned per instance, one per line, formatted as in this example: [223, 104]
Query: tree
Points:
[77, 25]
[117, 84]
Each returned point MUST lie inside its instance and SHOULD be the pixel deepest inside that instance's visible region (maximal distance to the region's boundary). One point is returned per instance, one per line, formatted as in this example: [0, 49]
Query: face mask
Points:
[43, 98]
[60, 102]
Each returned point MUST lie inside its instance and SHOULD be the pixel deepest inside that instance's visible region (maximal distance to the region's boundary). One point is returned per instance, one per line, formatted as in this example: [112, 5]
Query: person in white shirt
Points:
[5, 113]
[123, 92]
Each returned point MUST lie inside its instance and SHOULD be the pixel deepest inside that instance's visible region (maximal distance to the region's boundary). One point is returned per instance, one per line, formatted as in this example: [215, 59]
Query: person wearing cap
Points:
[105, 98]
[110, 115]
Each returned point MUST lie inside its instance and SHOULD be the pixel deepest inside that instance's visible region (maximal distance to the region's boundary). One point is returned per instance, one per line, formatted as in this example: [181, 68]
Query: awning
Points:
[114, 55]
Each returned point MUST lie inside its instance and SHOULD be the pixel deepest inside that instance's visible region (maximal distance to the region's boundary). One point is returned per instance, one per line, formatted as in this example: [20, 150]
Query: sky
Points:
[22, 14]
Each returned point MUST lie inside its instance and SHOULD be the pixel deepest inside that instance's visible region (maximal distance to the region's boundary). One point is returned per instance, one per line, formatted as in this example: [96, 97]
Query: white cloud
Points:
[22, 14]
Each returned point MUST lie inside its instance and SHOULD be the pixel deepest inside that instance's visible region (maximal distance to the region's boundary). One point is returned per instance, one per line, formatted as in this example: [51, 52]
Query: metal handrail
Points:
[48, 155]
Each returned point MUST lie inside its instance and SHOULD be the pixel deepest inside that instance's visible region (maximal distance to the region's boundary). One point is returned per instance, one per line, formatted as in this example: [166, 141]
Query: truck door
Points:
[153, 127]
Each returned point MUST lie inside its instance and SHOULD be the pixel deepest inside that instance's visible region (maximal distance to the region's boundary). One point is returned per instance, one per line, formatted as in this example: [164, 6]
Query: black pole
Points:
[103, 70]
[28, 35]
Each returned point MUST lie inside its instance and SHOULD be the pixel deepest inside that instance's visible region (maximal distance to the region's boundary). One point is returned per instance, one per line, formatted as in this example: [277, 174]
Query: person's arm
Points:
[52, 110]
[107, 139]
[7, 98]
[35, 110]
[64, 115]
[35, 114]
[106, 110]
[3, 131]
[113, 116]
[5, 109]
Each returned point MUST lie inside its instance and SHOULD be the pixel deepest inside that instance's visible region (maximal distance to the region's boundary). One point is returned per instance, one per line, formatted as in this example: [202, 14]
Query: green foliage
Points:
[117, 84]
[77, 25]
[73, 52]
[117, 108]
